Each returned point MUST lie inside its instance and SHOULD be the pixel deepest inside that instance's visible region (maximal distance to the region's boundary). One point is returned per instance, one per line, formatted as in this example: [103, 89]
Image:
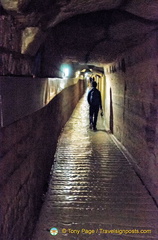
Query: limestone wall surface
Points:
[21, 96]
[12, 62]
[131, 107]
[27, 149]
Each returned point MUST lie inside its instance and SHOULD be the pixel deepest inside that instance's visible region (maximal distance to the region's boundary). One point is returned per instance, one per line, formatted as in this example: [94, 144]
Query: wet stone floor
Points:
[94, 193]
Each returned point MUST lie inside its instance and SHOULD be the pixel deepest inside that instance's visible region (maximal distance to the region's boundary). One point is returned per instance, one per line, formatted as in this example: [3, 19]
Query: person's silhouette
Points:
[94, 100]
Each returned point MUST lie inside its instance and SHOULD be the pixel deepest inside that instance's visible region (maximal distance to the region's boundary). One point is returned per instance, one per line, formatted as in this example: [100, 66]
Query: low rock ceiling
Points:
[48, 13]
[101, 36]
[112, 24]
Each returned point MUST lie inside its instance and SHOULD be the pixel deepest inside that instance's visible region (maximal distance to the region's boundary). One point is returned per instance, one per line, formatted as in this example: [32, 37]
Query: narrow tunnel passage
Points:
[94, 188]
[117, 41]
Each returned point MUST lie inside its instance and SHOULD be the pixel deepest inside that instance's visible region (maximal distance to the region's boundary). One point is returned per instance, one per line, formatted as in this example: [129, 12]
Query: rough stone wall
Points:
[12, 62]
[27, 150]
[51, 57]
[131, 107]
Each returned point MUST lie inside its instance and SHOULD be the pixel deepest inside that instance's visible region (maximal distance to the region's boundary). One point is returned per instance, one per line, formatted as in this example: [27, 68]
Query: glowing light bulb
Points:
[66, 72]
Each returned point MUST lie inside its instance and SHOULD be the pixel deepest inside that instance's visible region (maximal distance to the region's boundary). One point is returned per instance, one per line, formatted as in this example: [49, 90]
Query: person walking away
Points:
[94, 100]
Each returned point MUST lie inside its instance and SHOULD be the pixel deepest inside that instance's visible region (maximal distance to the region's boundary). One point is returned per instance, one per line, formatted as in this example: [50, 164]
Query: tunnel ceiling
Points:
[87, 31]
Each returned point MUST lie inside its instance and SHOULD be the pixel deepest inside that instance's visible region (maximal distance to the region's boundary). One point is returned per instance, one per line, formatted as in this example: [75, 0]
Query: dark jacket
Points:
[94, 98]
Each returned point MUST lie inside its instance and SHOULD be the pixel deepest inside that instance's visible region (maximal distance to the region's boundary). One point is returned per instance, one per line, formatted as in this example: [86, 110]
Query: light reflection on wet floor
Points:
[93, 187]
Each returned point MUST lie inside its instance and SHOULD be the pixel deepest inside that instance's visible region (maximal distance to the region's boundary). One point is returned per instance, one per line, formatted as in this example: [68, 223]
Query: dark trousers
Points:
[93, 115]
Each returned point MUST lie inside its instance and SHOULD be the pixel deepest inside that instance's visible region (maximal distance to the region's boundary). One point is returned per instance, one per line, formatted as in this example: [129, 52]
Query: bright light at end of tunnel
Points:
[87, 75]
[77, 73]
